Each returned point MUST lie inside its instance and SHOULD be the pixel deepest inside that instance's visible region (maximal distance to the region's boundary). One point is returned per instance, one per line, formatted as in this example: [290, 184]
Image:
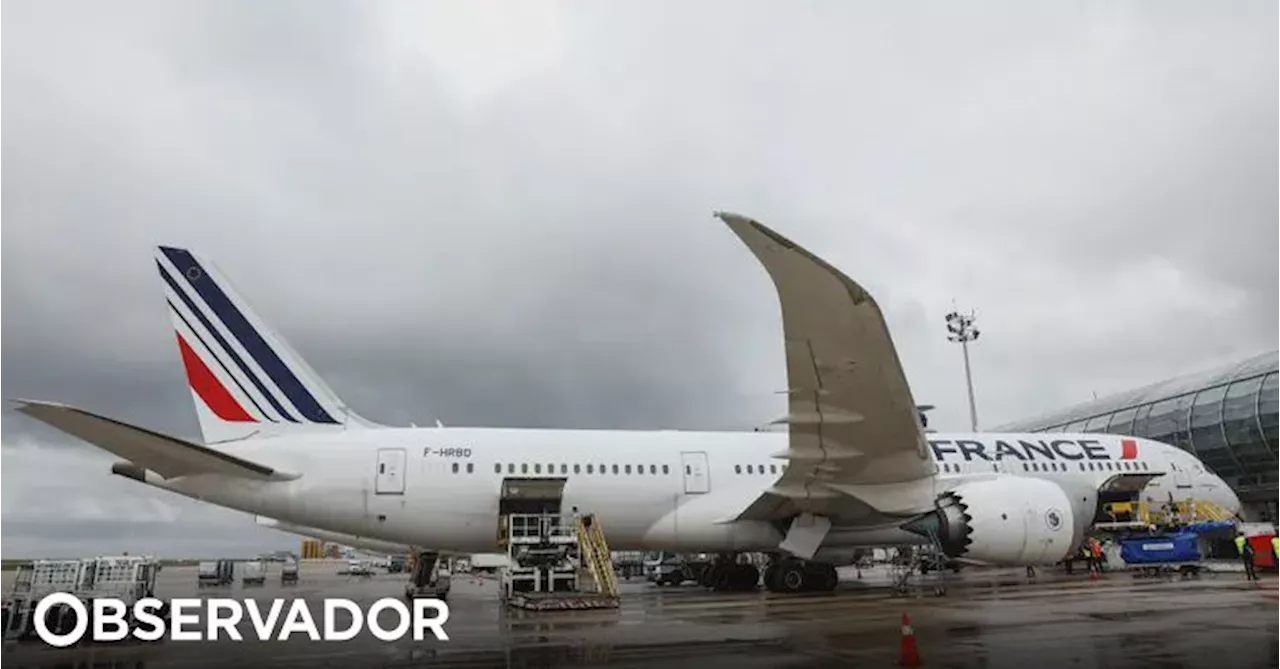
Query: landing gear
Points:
[793, 575]
[725, 574]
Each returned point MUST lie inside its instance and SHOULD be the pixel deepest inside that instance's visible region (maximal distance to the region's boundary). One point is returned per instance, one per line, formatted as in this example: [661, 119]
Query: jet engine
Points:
[1009, 520]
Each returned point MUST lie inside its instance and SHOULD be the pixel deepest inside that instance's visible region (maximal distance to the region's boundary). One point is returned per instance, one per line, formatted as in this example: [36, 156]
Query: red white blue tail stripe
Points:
[232, 365]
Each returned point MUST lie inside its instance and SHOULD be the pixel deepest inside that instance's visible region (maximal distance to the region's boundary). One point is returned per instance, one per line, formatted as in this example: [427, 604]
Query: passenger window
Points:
[615, 469]
[602, 469]
[497, 468]
[688, 470]
[737, 469]
[639, 469]
[665, 469]
[511, 468]
[455, 468]
[537, 468]
[749, 470]
[551, 468]
[653, 469]
[626, 469]
[590, 470]
[773, 469]
[577, 469]
[382, 468]
[471, 468]
[524, 468]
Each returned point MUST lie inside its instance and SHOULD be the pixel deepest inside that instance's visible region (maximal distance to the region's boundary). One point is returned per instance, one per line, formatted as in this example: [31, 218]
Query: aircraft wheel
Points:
[706, 578]
[722, 578]
[791, 578]
[746, 576]
[830, 579]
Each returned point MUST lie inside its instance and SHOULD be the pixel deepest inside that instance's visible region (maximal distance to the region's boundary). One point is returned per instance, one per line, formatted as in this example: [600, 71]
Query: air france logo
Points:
[1053, 518]
[946, 450]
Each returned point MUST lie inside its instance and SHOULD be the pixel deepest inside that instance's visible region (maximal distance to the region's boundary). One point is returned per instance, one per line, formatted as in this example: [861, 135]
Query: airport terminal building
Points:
[1225, 416]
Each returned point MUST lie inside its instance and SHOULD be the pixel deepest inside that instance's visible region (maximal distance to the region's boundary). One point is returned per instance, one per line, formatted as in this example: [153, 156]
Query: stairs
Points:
[595, 552]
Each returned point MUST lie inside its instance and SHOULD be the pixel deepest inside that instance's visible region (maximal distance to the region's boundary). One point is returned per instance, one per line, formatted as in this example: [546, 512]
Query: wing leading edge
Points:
[852, 421]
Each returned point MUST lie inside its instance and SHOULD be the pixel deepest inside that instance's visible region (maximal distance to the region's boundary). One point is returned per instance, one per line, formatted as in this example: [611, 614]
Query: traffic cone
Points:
[910, 655]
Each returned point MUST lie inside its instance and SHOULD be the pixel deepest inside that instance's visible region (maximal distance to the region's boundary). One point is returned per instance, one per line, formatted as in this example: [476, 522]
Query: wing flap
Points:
[165, 455]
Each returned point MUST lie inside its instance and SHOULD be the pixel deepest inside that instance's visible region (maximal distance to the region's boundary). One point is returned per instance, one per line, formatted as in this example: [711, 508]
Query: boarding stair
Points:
[909, 565]
[594, 551]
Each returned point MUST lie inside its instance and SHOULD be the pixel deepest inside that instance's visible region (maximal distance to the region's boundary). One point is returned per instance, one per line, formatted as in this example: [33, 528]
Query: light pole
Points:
[960, 329]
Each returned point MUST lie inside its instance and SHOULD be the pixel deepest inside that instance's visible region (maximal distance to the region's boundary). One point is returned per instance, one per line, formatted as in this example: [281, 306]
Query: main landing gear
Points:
[794, 575]
[726, 574]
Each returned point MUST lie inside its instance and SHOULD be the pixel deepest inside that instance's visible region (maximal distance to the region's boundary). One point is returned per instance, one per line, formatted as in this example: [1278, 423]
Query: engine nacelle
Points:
[1010, 520]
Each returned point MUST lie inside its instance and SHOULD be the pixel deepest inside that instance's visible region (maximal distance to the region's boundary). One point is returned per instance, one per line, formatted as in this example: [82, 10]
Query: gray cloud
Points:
[506, 220]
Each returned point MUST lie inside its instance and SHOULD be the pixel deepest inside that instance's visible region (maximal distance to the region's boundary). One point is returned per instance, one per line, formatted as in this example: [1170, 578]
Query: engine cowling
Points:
[1010, 520]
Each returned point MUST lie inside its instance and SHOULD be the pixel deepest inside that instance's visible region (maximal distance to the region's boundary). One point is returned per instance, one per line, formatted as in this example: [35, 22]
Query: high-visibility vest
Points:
[1275, 546]
[1240, 545]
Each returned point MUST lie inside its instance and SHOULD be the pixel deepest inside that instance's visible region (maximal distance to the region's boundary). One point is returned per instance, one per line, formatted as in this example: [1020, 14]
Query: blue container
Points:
[1180, 547]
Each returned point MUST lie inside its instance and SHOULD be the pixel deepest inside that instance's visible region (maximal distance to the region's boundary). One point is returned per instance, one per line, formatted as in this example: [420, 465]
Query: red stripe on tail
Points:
[1128, 449]
[210, 389]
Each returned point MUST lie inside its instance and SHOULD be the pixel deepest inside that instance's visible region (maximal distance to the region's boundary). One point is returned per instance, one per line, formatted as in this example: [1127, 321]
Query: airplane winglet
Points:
[146, 449]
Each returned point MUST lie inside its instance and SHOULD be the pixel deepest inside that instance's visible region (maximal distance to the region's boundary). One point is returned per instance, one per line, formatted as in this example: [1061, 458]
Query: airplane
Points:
[855, 467]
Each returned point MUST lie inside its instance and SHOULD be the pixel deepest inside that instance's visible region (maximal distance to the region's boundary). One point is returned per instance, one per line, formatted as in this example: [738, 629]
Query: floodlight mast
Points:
[960, 329]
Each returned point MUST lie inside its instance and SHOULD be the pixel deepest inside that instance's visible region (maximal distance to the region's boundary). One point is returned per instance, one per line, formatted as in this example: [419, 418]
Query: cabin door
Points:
[697, 480]
[389, 479]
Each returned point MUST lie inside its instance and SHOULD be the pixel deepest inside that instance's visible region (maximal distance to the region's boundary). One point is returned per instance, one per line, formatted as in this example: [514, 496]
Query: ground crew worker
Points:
[1246, 553]
[1095, 547]
[1275, 548]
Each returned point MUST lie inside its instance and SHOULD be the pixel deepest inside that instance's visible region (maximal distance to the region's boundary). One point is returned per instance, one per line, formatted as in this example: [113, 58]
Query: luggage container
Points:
[1163, 553]
[253, 572]
[215, 573]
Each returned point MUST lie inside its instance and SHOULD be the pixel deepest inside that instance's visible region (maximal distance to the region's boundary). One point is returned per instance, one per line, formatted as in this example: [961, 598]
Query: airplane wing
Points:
[851, 417]
[167, 456]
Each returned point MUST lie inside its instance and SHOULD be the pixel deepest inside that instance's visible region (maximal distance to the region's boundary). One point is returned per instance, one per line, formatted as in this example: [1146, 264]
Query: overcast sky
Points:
[504, 218]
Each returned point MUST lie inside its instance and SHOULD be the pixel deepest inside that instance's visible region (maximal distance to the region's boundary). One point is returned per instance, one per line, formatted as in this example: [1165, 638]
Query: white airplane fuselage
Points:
[440, 488]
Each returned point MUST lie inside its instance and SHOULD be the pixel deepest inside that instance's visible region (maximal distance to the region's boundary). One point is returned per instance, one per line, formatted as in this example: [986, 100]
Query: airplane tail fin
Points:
[245, 379]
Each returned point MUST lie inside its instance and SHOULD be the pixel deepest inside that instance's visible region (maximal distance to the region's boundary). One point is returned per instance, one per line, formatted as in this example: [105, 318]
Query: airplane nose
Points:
[1232, 500]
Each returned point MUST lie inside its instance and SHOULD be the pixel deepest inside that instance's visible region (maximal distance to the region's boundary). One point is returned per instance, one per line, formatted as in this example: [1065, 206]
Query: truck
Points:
[289, 572]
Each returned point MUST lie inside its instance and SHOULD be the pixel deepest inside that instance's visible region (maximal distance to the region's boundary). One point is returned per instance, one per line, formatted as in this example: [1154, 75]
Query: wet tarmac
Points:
[988, 619]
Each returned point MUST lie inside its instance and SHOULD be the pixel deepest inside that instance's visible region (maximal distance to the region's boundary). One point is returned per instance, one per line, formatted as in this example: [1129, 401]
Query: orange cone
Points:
[910, 656]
